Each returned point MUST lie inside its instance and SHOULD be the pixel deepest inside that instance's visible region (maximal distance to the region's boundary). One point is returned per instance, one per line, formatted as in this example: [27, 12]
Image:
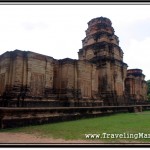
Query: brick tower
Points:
[136, 86]
[101, 47]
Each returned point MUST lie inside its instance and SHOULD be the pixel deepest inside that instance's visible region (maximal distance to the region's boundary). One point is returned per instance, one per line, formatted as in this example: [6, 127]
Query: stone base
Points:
[50, 103]
[15, 117]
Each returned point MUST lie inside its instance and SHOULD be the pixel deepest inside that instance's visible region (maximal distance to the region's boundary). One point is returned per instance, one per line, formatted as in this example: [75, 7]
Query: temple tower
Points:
[101, 47]
[136, 87]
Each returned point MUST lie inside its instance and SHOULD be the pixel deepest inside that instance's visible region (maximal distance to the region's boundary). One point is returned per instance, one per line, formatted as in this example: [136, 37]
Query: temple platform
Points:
[11, 117]
[52, 103]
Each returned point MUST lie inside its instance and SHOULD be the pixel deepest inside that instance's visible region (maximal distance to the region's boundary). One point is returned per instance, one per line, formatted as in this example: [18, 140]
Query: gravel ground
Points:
[12, 138]
[7, 138]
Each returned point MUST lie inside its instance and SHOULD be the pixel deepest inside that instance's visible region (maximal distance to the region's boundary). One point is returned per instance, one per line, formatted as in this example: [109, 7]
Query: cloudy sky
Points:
[57, 30]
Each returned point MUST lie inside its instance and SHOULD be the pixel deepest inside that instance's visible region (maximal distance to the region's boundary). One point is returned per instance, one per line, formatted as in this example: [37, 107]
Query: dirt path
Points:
[11, 138]
[23, 138]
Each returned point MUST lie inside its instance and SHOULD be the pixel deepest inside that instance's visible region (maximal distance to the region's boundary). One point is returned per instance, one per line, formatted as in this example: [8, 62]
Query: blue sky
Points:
[58, 30]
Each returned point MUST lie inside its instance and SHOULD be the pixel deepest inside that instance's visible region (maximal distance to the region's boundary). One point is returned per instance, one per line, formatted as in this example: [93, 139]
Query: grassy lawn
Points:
[130, 123]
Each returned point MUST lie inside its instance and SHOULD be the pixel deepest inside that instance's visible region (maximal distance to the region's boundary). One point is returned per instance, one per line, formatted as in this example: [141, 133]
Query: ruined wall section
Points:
[12, 68]
[65, 79]
[75, 80]
[39, 75]
[4, 71]
[28, 71]
[144, 90]
[87, 80]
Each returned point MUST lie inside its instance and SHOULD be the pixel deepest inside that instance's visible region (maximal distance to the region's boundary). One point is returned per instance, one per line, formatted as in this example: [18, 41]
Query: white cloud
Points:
[57, 30]
[137, 55]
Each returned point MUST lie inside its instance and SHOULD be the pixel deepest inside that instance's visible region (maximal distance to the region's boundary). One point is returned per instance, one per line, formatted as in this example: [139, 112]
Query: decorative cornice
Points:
[99, 59]
[100, 45]
[98, 34]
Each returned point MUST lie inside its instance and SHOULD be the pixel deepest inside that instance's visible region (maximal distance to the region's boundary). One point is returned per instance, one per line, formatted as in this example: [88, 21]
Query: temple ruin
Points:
[99, 77]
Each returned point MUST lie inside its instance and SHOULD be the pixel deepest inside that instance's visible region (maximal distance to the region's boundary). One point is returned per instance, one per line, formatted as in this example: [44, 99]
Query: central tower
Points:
[101, 47]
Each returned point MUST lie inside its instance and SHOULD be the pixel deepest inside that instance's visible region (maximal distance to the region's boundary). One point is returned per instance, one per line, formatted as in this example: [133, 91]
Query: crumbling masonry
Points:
[98, 77]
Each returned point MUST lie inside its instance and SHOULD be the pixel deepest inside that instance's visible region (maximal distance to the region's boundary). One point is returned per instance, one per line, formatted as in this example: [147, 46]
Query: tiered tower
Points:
[136, 87]
[101, 47]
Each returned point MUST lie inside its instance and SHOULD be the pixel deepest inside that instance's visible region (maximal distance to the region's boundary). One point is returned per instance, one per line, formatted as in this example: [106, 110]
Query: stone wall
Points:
[76, 79]
[42, 77]
[23, 70]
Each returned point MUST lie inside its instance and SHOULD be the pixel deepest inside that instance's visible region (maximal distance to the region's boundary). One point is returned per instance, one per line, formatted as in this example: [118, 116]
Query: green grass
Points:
[118, 123]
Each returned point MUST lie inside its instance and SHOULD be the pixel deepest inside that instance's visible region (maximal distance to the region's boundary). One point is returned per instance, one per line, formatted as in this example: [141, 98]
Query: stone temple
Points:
[99, 76]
